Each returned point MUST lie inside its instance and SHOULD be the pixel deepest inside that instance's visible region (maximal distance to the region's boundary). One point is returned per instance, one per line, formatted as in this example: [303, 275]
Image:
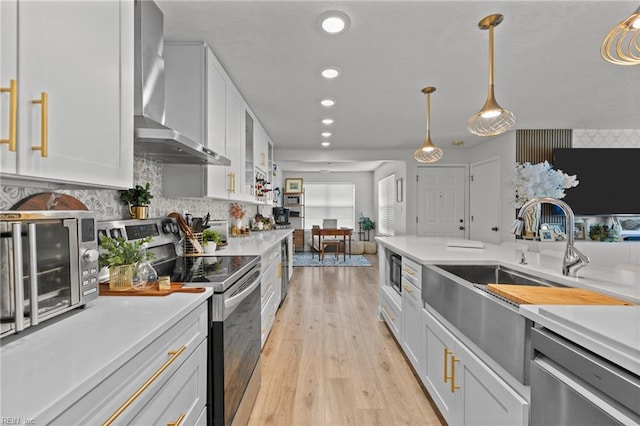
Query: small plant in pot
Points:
[122, 258]
[210, 240]
[138, 199]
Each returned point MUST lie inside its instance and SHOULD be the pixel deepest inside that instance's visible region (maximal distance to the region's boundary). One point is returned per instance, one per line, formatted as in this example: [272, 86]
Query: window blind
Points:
[386, 205]
[329, 201]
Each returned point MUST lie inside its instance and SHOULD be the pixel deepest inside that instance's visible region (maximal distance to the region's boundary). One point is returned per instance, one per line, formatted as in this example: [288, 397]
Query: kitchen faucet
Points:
[573, 259]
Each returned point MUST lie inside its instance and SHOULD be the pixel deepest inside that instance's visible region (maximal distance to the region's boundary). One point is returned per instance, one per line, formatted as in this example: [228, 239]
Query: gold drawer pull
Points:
[177, 422]
[408, 289]
[44, 131]
[453, 374]
[263, 159]
[446, 362]
[384, 308]
[145, 385]
[230, 175]
[13, 107]
[409, 271]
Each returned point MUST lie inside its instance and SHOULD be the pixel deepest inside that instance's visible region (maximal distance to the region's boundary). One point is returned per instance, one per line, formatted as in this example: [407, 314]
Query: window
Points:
[387, 205]
[329, 201]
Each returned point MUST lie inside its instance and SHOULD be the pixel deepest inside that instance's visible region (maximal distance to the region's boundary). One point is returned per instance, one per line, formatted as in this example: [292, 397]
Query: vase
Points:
[209, 247]
[138, 212]
[531, 219]
[121, 277]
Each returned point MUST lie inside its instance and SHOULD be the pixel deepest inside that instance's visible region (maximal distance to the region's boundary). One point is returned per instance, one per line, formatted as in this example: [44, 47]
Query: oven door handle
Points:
[33, 274]
[234, 301]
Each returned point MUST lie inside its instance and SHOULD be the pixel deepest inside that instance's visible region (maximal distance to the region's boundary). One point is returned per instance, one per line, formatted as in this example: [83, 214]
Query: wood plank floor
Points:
[330, 361]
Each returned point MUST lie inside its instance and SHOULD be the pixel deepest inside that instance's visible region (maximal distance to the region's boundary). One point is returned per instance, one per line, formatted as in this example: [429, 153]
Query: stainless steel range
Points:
[234, 340]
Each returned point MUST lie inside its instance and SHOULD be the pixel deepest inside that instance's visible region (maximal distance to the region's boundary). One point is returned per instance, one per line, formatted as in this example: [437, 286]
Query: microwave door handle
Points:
[33, 272]
[18, 277]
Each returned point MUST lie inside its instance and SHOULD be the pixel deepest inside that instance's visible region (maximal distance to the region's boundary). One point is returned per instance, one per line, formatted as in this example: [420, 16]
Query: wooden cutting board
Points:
[154, 291]
[49, 201]
[537, 295]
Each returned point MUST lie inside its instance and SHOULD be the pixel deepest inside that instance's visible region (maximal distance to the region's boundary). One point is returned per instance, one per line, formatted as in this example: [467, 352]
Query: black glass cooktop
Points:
[219, 272]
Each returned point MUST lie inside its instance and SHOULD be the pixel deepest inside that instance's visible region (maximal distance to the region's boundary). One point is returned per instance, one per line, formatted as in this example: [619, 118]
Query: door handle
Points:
[44, 113]
[13, 107]
[461, 228]
[495, 229]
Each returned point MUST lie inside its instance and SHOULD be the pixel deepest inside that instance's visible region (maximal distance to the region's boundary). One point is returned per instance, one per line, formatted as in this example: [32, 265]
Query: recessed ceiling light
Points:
[327, 102]
[330, 73]
[326, 134]
[327, 121]
[334, 22]
[325, 143]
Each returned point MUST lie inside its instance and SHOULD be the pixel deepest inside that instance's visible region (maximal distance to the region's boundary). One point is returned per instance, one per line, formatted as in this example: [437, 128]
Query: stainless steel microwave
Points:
[48, 265]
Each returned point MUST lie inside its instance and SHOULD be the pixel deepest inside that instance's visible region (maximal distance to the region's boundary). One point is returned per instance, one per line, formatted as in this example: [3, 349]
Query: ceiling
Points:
[548, 69]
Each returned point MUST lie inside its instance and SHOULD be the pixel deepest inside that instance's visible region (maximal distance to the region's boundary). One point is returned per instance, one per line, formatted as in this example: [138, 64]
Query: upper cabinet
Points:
[260, 150]
[67, 92]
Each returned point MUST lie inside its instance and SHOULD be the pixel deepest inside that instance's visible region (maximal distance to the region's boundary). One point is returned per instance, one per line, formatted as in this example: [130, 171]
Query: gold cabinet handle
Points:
[44, 103]
[13, 108]
[230, 175]
[407, 288]
[145, 385]
[178, 422]
[263, 160]
[447, 352]
[384, 308]
[233, 180]
[453, 374]
[409, 271]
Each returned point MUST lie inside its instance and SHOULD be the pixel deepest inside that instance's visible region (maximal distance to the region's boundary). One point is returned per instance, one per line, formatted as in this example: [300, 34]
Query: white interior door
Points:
[485, 201]
[441, 202]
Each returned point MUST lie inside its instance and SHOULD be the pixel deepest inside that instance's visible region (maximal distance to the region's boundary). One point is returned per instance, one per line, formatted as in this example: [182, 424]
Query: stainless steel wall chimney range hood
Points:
[152, 139]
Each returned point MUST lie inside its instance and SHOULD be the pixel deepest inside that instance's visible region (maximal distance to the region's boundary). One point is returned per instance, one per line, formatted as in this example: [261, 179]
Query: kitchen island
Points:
[477, 386]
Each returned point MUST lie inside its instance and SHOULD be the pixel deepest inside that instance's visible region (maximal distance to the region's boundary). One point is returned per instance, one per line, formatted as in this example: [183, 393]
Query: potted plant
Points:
[210, 240]
[137, 199]
[121, 257]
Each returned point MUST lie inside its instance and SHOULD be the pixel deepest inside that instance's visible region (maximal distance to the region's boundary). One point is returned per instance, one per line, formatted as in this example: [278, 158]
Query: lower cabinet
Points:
[464, 388]
[412, 335]
[270, 289]
[164, 383]
[391, 311]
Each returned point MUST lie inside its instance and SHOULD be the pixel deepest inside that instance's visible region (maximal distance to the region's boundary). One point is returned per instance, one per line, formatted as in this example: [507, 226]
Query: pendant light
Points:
[428, 152]
[621, 46]
[492, 119]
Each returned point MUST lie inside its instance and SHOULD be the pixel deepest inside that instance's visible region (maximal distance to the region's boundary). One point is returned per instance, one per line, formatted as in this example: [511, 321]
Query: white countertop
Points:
[256, 243]
[50, 368]
[614, 282]
[610, 331]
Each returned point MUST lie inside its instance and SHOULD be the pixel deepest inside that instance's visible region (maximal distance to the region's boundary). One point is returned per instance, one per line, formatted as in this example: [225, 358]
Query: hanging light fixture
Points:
[621, 46]
[492, 119]
[428, 152]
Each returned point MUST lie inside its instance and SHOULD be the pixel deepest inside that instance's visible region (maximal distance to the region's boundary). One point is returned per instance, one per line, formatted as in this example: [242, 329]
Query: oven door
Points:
[38, 271]
[235, 347]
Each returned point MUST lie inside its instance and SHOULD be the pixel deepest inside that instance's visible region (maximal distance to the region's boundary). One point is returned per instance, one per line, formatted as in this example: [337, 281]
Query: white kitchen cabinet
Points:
[202, 102]
[73, 67]
[162, 382]
[270, 288]
[412, 335]
[391, 311]
[260, 148]
[464, 388]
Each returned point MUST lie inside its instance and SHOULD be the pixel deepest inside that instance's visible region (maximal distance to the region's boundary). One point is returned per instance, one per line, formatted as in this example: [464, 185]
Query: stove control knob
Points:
[101, 232]
[116, 233]
[90, 255]
[166, 228]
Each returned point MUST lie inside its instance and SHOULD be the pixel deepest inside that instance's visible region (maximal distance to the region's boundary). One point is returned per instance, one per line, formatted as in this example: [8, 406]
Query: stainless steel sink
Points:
[498, 274]
[458, 293]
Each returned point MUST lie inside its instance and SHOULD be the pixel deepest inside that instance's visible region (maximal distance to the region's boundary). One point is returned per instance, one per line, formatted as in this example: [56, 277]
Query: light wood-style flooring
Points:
[330, 361]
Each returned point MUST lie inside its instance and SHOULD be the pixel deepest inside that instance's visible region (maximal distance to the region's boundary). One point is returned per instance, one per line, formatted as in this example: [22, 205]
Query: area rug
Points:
[304, 259]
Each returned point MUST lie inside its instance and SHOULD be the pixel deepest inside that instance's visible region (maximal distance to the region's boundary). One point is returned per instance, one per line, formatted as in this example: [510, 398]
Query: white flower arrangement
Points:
[539, 180]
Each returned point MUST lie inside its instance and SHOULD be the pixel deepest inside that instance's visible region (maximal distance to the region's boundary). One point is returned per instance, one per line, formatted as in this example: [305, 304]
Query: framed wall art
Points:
[293, 185]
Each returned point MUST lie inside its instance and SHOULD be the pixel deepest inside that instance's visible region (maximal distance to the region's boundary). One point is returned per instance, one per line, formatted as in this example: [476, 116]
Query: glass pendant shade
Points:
[621, 46]
[492, 119]
[428, 152]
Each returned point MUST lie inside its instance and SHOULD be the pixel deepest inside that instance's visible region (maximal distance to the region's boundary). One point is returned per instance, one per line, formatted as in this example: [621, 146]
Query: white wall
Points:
[399, 168]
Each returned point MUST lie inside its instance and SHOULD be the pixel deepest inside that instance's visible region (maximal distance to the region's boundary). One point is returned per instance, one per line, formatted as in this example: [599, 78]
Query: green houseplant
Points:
[138, 199]
[210, 240]
[121, 257]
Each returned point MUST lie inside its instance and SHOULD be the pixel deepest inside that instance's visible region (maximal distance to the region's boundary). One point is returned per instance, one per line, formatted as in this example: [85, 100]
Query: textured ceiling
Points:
[548, 70]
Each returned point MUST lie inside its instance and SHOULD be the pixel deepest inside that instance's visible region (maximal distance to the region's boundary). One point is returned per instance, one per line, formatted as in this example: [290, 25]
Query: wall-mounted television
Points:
[609, 179]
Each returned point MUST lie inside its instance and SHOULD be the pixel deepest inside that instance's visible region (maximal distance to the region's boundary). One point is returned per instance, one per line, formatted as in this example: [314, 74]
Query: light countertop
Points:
[610, 331]
[50, 368]
[256, 243]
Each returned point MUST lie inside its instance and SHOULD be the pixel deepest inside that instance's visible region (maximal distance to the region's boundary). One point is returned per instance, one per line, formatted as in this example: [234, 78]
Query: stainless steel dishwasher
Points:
[573, 386]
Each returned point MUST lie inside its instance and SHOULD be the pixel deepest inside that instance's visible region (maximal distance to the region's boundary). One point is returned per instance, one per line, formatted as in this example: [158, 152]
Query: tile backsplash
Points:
[107, 205]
